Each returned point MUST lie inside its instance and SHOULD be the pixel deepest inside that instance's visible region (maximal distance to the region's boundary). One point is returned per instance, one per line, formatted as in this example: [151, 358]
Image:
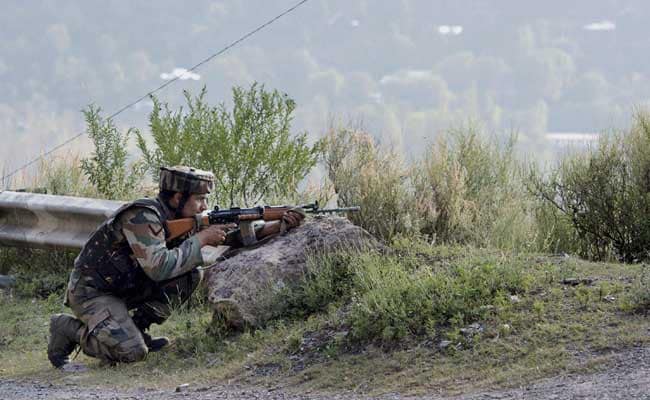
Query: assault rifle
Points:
[244, 218]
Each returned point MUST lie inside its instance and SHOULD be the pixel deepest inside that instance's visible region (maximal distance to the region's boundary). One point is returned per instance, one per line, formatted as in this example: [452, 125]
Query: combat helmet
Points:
[186, 180]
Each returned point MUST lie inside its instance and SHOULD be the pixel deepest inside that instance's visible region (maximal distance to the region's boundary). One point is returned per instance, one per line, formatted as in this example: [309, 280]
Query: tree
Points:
[250, 149]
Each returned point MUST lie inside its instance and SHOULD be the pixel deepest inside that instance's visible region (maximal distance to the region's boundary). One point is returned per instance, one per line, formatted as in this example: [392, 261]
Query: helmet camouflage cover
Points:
[186, 180]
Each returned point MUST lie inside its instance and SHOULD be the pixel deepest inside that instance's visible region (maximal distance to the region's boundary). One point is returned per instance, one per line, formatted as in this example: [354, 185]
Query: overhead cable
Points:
[164, 85]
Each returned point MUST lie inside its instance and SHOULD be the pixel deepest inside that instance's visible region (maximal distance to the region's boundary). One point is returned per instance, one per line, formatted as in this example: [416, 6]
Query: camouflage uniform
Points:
[127, 265]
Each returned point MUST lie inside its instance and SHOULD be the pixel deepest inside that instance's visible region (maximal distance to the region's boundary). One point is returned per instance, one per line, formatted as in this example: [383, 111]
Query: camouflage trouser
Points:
[112, 334]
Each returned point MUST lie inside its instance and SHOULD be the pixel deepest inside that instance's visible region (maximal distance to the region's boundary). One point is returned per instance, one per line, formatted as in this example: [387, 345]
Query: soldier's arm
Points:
[290, 220]
[146, 236]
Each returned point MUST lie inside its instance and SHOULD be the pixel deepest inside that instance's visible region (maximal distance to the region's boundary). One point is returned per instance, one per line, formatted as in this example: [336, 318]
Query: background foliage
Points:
[467, 187]
[605, 193]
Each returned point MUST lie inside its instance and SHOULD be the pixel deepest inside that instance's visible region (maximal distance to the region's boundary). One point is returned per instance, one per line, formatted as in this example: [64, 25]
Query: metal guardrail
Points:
[47, 221]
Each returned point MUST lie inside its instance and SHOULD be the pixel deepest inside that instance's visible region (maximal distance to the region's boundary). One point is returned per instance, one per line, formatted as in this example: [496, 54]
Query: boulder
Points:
[241, 286]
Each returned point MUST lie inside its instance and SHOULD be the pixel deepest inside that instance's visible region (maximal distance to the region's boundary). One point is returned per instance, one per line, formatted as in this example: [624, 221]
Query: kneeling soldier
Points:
[127, 266]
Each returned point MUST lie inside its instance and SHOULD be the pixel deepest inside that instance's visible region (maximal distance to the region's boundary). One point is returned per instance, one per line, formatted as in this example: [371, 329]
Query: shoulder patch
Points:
[144, 216]
[153, 230]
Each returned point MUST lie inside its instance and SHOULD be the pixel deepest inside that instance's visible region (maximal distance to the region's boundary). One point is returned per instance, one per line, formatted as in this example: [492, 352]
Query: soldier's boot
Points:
[143, 322]
[65, 335]
[154, 343]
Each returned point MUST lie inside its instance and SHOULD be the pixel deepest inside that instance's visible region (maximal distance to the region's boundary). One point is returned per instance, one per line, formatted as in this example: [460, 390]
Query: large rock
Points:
[241, 286]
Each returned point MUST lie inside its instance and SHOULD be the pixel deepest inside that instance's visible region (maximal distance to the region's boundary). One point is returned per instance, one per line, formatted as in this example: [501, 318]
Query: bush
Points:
[369, 176]
[469, 190]
[637, 298]
[392, 303]
[605, 194]
[107, 168]
[250, 149]
[384, 298]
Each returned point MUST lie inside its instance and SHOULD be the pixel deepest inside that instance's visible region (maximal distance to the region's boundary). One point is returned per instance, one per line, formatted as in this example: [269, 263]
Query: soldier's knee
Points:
[129, 351]
[117, 343]
[129, 354]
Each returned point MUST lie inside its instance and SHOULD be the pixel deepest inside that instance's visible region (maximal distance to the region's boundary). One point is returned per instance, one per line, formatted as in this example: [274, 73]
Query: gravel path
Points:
[627, 377]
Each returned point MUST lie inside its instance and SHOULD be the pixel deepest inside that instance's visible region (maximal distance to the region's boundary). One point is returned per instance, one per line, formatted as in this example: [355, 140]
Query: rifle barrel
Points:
[334, 210]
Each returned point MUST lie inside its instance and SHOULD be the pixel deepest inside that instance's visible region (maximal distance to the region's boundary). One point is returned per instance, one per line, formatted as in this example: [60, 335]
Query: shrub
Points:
[385, 298]
[637, 298]
[250, 149]
[392, 303]
[107, 168]
[369, 176]
[327, 280]
[605, 193]
[469, 189]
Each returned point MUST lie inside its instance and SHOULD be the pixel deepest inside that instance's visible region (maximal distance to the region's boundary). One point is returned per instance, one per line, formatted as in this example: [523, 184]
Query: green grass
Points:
[38, 272]
[381, 331]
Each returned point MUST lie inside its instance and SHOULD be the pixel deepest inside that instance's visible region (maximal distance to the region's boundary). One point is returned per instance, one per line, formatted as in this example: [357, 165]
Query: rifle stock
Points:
[179, 227]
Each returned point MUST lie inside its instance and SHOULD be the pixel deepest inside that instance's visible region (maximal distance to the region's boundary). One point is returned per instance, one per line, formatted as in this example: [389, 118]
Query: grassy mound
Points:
[415, 320]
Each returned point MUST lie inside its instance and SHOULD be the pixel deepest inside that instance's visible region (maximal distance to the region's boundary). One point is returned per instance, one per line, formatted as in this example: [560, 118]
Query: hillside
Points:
[529, 317]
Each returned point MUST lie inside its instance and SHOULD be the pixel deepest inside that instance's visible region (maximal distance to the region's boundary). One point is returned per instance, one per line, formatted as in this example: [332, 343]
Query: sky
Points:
[407, 71]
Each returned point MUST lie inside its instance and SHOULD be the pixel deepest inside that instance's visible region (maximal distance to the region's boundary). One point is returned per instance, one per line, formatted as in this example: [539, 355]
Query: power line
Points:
[164, 85]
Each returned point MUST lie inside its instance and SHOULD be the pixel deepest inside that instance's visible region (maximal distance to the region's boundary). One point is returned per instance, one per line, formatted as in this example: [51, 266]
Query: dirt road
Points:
[626, 377]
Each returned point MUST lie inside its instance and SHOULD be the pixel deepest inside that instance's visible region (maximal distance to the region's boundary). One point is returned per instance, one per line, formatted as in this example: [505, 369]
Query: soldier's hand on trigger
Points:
[214, 234]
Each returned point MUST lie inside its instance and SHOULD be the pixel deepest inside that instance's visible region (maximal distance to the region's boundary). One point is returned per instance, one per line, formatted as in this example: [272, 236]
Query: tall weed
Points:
[555, 232]
[39, 272]
[369, 176]
[61, 175]
[469, 190]
[466, 189]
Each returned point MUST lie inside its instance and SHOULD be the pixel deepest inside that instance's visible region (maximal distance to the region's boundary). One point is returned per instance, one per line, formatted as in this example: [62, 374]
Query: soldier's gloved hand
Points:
[214, 235]
[292, 219]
